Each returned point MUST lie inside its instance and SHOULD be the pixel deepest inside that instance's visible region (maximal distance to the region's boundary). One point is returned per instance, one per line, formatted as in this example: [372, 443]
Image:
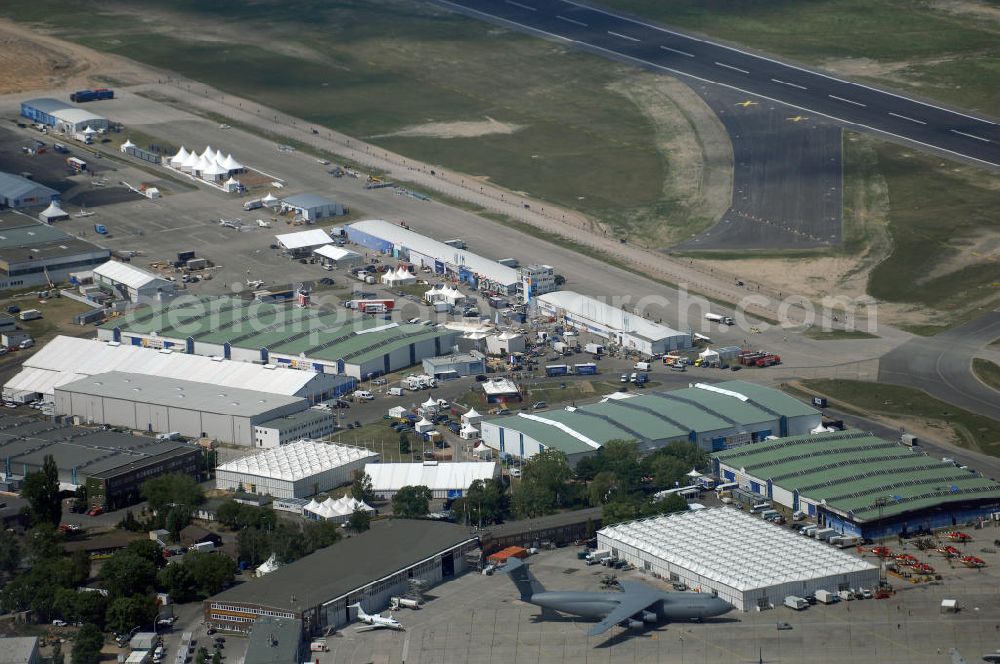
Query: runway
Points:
[657, 47]
[942, 365]
[787, 177]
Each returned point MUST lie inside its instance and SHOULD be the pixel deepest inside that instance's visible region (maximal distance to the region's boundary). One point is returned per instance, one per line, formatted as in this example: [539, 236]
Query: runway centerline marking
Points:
[978, 138]
[518, 4]
[794, 85]
[903, 117]
[618, 34]
[674, 50]
[573, 21]
[848, 101]
[723, 64]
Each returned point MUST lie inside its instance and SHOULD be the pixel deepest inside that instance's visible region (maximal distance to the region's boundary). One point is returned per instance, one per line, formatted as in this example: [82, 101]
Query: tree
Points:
[360, 521]
[253, 546]
[125, 574]
[57, 654]
[216, 658]
[618, 511]
[125, 613]
[10, 551]
[178, 518]
[147, 549]
[202, 655]
[44, 542]
[87, 645]
[209, 572]
[602, 487]
[670, 463]
[172, 489]
[177, 581]
[130, 523]
[672, 503]
[362, 488]
[485, 503]
[404, 443]
[411, 502]
[544, 486]
[80, 499]
[41, 489]
[91, 607]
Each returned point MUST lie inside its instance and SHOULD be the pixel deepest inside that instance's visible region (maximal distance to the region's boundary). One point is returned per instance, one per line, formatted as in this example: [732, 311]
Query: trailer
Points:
[81, 96]
[556, 370]
[718, 318]
[797, 603]
[594, 349]
[595, 557]
[588, 369]
[826, 597]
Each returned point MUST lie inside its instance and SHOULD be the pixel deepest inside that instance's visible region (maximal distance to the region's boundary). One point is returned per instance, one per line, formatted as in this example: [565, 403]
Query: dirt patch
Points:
[969, 8]
[967, 252]
[461, 129]
[894, 71]
[695, 145]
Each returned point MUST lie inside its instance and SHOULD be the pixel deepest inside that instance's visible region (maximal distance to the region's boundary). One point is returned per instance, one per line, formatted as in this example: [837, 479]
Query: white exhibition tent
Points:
[179, 158]
[397, 412]
[452, 478]
[423, 425]
[447, 293]
[472, 417]
[303, 239]
[338, 510]
[398, 277]
[468, 432]
[335, 253]
[129, 144]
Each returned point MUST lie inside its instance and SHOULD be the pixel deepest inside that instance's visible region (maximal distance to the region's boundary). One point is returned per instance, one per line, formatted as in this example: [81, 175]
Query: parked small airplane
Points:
[746, 103]
[797, 118]
[254, 283]
[376, 620]
[637, 604]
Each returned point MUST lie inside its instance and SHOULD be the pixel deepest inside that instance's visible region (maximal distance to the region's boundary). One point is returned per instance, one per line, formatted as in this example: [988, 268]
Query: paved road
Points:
[941, 365]
[659, 48]
[787, 177]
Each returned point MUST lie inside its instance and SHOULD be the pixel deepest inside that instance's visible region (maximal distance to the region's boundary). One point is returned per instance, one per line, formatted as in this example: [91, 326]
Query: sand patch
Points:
[459, 129]
[895, 71]
[969, 8]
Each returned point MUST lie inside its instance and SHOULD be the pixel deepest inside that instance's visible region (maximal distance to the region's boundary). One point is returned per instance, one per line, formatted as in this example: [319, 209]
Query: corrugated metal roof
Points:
[67, 359]
[403, 237]
[735, 549]
[129, 275]
[435, 476]
[854, 471]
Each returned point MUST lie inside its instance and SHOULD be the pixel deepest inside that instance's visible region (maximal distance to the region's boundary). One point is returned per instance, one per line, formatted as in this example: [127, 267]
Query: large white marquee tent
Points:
[336, 510]
[445, 480]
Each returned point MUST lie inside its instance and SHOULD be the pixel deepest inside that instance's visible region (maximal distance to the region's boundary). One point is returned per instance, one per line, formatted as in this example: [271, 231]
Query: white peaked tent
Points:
[126, 145]
[472, 417]
[338, 511]
[482, 450]
[399, 277]
[232, 184]
[694, 473]
[230, 164]
[202, 165]
[89, 130]
[468, 432]
[268, 566]
[709, 356]
[423, 425]
[209, 153]
[179, 158]
[189, 162]
[213, 171]
[53, 213]
[269, 200]
[397, 412]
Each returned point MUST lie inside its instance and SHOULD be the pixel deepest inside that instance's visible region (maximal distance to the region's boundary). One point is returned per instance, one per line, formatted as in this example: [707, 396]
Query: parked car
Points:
[539, 404]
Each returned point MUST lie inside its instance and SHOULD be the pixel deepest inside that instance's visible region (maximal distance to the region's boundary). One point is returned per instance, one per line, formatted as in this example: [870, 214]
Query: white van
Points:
[364, 395]
[641, 366]
[395, 391]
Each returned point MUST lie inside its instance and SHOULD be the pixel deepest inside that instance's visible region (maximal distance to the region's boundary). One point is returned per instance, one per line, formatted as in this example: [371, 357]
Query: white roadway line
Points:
[618, 34]
[794, 85]
[518, 4]
[723, 64]
[678, 72]
[978, 138]
[849, 101]
[778, 62]
[674, 50]
[573, 21]
[903, 117]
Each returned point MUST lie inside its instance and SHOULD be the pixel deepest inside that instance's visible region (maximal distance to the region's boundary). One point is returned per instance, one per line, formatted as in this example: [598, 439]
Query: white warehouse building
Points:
[152, 403]
[296, 470]
[624, 328]
[131, 283]
[445, 480]
[746, 561]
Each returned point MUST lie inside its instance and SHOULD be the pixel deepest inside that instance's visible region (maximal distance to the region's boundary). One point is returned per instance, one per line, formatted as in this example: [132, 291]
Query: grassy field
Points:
[551, 393]
[973, 431]
[378, 437]
[837, 335]
[401, 73]
[948, 51]
[986, 371]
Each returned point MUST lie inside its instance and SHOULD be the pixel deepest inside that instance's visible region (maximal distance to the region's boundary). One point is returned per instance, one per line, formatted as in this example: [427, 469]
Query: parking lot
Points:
[478, 618]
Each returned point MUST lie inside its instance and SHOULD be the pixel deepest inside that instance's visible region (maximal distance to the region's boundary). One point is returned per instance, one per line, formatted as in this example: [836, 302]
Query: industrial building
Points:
[35, 254]
[445, 480]
[298, 338]
[312, 207]
[112, 465]
[156, 404]
[64, 117]
[748, 562]
[859, 484]
[296, 470]
[501, 390]
[624, 328]
[537, 280]
[66, 359]
[330, 255]
[18, 192]
[131, 283]
[275, 641]
[313, 423]
[302, 243]
[713, 417]
[445, 259]
[368, 568]
[19, 650]
[455, 366]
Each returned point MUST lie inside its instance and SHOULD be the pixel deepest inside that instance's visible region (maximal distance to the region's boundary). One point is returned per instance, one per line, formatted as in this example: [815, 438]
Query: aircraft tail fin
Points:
[522, 577]
[361, 612]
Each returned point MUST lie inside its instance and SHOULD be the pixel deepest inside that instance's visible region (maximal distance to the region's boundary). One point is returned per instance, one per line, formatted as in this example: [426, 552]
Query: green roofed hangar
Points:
[324, 342]
[713, 417]
[859, 484]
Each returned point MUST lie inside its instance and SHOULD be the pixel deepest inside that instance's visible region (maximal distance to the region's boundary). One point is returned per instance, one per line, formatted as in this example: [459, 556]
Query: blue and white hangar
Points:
[859, 484]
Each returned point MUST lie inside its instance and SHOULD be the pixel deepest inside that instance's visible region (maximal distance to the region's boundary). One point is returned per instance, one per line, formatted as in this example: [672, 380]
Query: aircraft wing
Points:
[635, 598]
